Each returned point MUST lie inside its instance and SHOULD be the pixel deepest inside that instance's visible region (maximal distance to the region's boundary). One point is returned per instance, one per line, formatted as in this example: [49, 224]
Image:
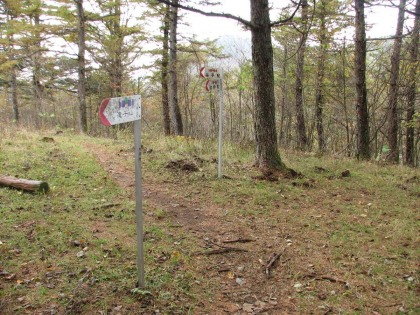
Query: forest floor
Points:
[340, 239]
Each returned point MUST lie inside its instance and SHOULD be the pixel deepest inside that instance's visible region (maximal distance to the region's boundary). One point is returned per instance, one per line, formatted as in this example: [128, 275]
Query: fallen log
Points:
[35, 186]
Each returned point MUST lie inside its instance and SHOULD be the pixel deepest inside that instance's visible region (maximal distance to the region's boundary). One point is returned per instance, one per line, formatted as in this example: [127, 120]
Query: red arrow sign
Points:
[211, 73]
[113, 111]
[104, 121]
[201, 72]
[213, 85]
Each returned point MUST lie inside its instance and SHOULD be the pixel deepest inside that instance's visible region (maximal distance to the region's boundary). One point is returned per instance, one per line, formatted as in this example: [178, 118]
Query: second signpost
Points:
[214, 81]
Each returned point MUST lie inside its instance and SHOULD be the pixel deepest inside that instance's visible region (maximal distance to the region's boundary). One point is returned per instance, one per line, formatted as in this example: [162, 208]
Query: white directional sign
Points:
[213, 85]
[119, 110]
[215, 82]
[211, 73]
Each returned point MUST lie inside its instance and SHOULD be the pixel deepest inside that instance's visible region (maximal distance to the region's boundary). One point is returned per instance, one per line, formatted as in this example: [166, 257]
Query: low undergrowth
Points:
[350, 242]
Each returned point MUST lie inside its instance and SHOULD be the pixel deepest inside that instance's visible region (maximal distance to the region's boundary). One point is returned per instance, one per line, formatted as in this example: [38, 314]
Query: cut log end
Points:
[34, 186]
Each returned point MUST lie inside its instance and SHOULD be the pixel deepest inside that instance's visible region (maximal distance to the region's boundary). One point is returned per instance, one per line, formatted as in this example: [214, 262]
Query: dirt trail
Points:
[190, 215]
[243, 286]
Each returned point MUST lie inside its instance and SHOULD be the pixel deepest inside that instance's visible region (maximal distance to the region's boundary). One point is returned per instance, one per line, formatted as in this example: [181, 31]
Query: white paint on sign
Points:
[211, 73]
[119, 110]
[213, 85]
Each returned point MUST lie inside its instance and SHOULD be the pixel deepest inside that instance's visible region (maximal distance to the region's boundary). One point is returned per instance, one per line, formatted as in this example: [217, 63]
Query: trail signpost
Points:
[119, 110]
[113, 111]
[215, 82]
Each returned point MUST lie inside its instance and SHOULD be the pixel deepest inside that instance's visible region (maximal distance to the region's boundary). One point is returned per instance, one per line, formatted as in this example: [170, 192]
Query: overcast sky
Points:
[382, 20]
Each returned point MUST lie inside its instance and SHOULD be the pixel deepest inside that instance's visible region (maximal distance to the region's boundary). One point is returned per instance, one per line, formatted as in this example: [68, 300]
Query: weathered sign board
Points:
[215, 83]
[113, 111]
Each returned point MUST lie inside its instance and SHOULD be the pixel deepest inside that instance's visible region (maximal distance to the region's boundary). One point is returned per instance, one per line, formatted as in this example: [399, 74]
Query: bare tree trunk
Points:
[346, 116]
[81, 86]
[36, 70]
[300, 115]
[363, 141]
[267, 156]
[319, 88]
[117, 71]
[393, 124]
[411, 89]
[173, 86]
[284, 111]
[164, 73]
[14, 96]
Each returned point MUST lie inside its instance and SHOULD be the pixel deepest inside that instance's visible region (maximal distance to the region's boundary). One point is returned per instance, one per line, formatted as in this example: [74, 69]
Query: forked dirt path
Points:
[243, 285]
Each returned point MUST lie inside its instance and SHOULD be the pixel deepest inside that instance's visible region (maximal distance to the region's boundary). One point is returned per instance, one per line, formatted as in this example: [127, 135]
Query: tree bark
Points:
[24, 184]
[14, 96]
[413, 76]
[300, 115]
[319, 88]
[363, 141]
[117, 71]
[344, 87]
[164, 73]
[393, 124]
[267, 154]
[13, 80]
[81, 85]
[36, 70]
[173, 85]
[283, 139]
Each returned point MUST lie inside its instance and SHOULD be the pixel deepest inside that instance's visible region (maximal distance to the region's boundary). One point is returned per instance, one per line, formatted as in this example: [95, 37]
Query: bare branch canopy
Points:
[246, 23]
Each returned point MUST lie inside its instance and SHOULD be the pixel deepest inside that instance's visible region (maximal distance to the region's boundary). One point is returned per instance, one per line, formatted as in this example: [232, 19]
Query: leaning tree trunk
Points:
[267, 155]
[363, 141]
[173, 86]
[300, 115]
[164, 73]
[393, 155]
[81, 86]
[411, 89]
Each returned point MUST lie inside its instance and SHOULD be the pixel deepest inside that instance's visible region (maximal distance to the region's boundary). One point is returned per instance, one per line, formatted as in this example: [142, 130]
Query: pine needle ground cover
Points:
[329, 241]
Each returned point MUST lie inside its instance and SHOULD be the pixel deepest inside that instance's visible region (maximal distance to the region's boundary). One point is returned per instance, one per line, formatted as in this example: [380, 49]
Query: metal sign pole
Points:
[220, 127]
[139, 214]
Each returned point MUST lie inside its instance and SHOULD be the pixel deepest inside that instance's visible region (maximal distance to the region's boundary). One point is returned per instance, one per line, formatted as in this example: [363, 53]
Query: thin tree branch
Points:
[386, 38]
[280, 22]
[214, 14]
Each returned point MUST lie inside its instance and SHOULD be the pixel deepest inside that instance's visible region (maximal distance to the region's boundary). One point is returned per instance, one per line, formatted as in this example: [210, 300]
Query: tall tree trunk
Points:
[81, 86]
[164, 73]
[36, 70]
[319, 88]
[117, 54]
[14, 96]
[300, 115]
[13, 77]
[267, 155]
[344, 87]
[284, 111]
[411, 89]
[173, 86]
[363, 145]
[393, 125]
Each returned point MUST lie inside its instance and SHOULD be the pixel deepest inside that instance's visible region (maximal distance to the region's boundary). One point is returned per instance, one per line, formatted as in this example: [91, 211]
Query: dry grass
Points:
[350, 244]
